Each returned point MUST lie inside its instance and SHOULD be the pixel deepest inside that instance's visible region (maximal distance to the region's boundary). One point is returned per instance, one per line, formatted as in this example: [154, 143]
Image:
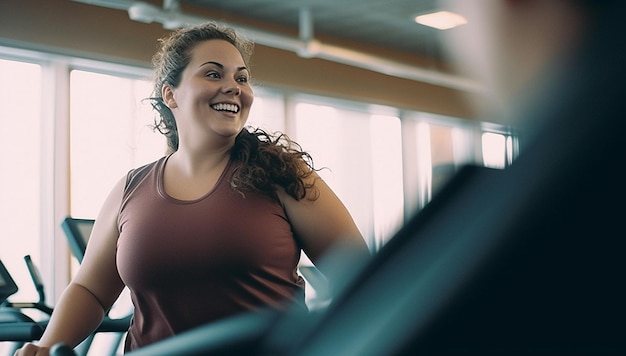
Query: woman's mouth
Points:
[232, 108]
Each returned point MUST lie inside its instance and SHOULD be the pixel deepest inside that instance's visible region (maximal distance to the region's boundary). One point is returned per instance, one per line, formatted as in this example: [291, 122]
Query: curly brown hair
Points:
[266, 161]
[270, 160]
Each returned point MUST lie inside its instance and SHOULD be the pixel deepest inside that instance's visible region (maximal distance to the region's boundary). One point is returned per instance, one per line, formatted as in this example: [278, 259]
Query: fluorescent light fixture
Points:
[441, 20]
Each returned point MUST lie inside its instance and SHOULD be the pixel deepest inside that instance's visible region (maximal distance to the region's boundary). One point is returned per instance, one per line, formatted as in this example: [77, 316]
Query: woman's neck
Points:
[199, 162]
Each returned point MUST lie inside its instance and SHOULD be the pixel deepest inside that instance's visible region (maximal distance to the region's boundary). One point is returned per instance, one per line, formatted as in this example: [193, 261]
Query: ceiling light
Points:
[441, 20]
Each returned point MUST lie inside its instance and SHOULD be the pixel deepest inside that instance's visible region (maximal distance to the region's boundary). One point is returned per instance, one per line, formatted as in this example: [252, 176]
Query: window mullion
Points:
[55, 207]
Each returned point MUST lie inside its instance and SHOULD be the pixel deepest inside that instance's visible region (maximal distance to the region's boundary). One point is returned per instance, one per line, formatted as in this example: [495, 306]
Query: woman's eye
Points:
[242, 79]
[212, 75]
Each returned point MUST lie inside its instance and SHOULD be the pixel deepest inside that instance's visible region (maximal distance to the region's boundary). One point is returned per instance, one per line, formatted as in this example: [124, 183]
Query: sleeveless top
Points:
[188, 263]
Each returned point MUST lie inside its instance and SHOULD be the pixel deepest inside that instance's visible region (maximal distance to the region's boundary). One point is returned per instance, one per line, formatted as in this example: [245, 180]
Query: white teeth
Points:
[226, 107]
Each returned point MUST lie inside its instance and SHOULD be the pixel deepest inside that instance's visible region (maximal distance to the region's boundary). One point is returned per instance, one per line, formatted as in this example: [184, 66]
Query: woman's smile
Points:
[226, 107]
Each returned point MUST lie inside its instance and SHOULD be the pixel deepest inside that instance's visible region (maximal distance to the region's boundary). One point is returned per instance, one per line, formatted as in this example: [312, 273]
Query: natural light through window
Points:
[110, 133]
[386, 154]
[362, 160]
[493, 146]
[424, 163]
[267, 112]
[20, 181]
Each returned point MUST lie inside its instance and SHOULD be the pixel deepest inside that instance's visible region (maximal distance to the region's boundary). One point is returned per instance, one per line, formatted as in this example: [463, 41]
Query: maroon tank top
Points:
[188, 263]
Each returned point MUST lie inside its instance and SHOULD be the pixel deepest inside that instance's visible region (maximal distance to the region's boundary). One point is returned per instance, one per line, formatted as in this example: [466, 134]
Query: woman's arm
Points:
[321, 222]
[93, 290]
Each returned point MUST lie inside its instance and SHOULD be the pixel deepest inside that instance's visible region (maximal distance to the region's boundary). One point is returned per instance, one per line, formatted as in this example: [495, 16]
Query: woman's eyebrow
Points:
[211, 62]
[221, 66]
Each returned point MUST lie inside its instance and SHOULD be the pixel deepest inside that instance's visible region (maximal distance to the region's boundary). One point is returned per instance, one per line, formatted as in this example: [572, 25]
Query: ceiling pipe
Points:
[305, 46]
[305, 27]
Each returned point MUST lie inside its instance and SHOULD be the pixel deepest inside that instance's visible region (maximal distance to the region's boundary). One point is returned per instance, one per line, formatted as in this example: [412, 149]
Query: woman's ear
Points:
[168, 96]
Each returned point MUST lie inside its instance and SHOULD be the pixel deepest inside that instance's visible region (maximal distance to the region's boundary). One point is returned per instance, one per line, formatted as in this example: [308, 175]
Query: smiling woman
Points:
[221, 219]
[175, 55]
[212, 97]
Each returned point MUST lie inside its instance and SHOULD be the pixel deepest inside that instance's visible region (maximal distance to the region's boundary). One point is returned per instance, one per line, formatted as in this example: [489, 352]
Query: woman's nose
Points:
[233, 89]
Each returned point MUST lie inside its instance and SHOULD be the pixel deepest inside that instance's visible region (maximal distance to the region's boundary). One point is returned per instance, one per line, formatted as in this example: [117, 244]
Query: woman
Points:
[215, 227]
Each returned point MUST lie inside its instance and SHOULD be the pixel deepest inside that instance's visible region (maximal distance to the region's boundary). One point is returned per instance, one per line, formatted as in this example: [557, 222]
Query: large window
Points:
[498, 149]
[268, 111]
[110, 133]
[22, 197]
[360, 154]
[435, 147]
[71, 136]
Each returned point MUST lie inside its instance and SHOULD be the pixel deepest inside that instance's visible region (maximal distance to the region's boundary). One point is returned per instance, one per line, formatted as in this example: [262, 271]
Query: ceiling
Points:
[325, 29]
[387, 23]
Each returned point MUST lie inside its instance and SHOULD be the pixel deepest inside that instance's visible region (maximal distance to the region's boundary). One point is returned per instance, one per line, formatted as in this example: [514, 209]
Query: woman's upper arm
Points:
[322, 223]
[98, 270]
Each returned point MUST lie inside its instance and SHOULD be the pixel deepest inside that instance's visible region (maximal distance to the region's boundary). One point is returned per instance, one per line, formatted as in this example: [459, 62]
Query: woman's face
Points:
[214, 96]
